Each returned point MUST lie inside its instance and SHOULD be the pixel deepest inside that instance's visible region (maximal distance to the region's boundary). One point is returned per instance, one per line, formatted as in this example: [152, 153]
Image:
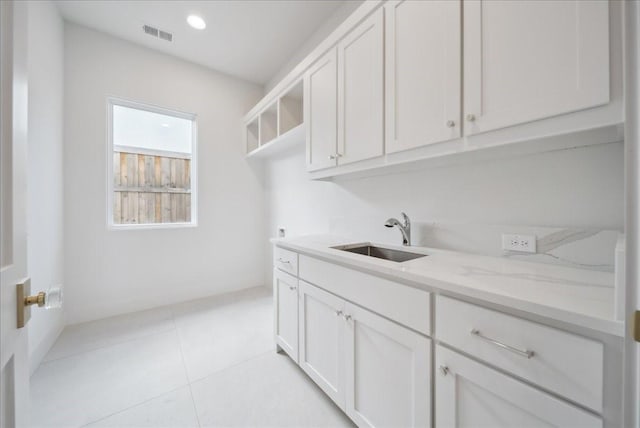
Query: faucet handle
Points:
[407, 222]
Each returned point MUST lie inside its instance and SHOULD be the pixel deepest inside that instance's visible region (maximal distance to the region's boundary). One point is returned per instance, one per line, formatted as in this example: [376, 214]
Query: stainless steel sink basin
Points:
[381, 253]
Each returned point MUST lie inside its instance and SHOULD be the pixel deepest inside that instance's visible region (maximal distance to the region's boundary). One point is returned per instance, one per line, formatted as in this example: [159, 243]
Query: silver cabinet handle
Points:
[281, 260]
[338, 313]
[332, 157]
[471, 117]
[347, 317]
[450, 124]
[338, 155]
[292, 288]
[444, 370]
[526, 353]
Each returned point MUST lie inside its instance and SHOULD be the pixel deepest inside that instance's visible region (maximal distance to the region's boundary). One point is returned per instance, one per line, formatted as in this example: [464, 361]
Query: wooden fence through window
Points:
[151, 188]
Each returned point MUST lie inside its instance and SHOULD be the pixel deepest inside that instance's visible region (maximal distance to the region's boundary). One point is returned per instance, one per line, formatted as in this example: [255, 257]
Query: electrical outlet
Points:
[520, 243]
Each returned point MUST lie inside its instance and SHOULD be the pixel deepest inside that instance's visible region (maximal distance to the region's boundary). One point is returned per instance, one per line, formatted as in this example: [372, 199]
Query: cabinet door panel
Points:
[470, 394]
[320, 112]
[388, 372]
[422, 73]
[360, 91]
[322, 340]
[285, 294]
[529, 60]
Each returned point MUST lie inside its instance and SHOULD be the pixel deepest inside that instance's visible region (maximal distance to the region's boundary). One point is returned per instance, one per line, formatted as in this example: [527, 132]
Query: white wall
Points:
[312, 42]
[581, 188]
[45, 172]
[113, 272]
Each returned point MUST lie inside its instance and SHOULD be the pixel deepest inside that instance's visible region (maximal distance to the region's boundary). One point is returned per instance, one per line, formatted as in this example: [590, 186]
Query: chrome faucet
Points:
[404, 228]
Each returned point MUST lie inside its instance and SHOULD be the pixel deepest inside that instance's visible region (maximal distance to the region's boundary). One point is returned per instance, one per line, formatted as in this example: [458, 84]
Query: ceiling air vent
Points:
[152, 31]
[166, 36]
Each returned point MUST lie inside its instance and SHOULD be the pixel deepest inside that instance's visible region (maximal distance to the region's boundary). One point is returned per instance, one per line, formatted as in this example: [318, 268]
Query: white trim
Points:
[113, 101]
[151, 152]
[151, 226]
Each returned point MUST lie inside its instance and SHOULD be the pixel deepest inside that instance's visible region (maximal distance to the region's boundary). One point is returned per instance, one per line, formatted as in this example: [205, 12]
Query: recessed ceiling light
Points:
[196, 22]
[165, 125]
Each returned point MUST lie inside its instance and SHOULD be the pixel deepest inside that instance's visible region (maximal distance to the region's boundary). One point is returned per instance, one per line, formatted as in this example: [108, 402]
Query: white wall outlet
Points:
[281, 232]
[521, 243]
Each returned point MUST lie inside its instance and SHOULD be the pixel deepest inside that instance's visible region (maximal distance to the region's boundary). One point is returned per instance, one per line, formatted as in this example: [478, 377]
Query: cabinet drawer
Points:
[285, 260]
[403, 304]
[567, 364]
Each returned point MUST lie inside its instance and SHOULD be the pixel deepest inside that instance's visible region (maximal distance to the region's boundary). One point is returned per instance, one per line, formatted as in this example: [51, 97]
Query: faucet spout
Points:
[405, 228]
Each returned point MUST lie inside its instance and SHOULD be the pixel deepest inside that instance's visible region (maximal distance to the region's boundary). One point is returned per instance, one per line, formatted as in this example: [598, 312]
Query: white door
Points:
[470, 394]
[285, 294]
[529, 60]
[320, 112]
[322, 327]
[14, 377]
[388, 372]
[361, 91]
[423, 75]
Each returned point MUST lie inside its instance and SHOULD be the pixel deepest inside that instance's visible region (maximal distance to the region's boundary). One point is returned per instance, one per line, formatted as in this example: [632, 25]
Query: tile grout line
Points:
[195, 408]
[135, 405]
[107, 345]
[184, 366]
[217, 372]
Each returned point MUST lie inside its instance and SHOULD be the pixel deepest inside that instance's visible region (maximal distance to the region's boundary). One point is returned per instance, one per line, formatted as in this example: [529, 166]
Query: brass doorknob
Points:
[51, 299]
[38, 299]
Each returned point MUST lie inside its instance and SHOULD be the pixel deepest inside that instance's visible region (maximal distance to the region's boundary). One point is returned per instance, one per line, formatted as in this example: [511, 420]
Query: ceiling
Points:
[250, 39]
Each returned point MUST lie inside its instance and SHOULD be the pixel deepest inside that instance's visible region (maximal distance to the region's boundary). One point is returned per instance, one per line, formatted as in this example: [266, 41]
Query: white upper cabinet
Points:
[529, 60]
[320, 112]
[361, 91]
[422, 73]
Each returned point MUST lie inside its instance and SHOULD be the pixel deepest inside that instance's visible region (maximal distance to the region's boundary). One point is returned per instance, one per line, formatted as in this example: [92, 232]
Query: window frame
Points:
[111, 225]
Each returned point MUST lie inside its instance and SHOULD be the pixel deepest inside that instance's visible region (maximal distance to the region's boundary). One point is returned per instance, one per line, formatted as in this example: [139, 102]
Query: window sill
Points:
[151, 226]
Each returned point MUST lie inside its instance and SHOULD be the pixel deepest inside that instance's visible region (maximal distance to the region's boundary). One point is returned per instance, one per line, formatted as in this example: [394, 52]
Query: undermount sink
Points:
[380, 252]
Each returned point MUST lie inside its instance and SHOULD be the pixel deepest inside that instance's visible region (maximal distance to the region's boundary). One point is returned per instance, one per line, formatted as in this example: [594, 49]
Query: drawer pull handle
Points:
[292, 288]
[444, 370]
[281, 260]
[347, 318]
[526, 353]
[338, 313]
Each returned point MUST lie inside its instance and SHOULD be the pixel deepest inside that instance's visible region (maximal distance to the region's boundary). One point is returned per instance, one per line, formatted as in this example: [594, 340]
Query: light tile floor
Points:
[206, 363]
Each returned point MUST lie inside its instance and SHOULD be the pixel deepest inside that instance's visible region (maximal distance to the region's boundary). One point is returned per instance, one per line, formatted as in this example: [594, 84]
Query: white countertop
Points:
[577, 296]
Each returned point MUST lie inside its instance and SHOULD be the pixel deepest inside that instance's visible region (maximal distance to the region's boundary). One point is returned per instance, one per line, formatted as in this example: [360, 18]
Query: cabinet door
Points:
[470, 394]
[285, 295]
[320, 112]
[388, 372]
[422, 73]
[528, 60]
[360, 91]
[322, 328]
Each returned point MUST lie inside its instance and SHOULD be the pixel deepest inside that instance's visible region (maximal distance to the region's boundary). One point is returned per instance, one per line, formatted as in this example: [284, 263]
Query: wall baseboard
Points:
[40, 351]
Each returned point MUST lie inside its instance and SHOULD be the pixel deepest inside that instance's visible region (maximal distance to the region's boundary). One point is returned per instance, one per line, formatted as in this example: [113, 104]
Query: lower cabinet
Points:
[322, 330]
[470, 394]
[388, 372]
[377, 371]
[285, 294]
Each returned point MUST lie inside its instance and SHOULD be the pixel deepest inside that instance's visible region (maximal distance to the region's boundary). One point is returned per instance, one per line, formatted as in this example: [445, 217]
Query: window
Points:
[152, 165]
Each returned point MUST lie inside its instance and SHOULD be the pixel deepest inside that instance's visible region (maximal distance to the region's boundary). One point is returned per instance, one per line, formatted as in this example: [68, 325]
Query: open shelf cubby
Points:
[290, 109]
[278, 127]
[253, 135]
[269, 124]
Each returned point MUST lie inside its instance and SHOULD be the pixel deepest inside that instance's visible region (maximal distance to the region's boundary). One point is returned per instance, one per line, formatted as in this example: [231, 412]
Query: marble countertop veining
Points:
[576, 296]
